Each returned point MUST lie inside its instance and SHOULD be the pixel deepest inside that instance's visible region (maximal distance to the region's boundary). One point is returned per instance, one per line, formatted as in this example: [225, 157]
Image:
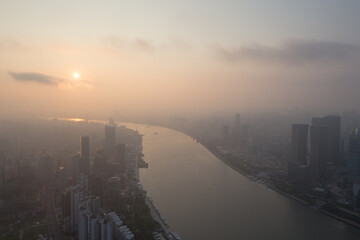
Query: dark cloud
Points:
[36, 77]
[143, 45]
[50, 80]
[113, 42]
[293, 52]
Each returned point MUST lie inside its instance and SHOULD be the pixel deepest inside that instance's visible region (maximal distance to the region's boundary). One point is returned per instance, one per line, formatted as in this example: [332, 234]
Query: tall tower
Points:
[354, 159]
[110, 140]
[85, 154]
[85, 147]
[299, 135]
[333, 125]
[319, 151]
[297, 164]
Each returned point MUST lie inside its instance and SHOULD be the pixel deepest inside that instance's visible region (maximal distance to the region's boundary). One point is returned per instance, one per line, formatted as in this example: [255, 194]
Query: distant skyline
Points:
[178, 56]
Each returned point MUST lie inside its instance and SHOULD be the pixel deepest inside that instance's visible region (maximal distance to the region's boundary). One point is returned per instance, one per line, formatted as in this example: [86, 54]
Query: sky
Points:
[183, 57]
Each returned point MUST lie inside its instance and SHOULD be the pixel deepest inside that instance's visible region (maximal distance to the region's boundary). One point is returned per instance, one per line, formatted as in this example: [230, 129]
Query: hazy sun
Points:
[76, 75]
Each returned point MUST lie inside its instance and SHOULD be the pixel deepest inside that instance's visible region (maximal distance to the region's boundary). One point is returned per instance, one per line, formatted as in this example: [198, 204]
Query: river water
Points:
[202, 198]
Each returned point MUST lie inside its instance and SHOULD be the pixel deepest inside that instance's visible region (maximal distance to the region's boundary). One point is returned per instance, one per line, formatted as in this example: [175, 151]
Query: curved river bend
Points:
[202, 198]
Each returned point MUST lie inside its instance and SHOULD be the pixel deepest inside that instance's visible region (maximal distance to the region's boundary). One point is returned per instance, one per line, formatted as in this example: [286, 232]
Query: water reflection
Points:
[202, 198]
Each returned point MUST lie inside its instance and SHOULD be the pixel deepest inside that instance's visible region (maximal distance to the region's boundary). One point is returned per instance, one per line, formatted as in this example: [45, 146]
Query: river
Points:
[203, 198]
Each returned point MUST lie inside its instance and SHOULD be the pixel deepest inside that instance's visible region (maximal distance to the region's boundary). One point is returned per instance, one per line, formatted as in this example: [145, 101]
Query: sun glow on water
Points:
[76, 119]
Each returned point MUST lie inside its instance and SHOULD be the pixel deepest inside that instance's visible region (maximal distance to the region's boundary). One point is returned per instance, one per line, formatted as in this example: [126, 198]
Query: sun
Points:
[76, 75]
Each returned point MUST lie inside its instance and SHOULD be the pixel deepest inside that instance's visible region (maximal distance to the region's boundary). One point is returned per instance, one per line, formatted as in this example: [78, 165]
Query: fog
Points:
[176, 64]
[185, 119]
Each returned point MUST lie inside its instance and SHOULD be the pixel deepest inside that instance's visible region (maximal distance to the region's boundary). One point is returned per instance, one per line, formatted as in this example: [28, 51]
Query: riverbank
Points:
[231, 165]
[272, 187]
[344, 220]
[228, 163]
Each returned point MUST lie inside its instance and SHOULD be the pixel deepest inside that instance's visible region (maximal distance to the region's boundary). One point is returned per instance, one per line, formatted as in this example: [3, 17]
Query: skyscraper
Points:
[297, 168]
[333, 125]
[85, 146]
[319, 151]
[110, 140]
[353, 159]
[76, 194]
[83, 223]
[299, 135]
[85, 155]
[75, 166]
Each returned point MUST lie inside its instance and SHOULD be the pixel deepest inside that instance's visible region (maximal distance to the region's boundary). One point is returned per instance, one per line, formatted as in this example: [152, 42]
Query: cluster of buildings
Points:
[91, 194]
[83, 215]
[113, 159]
[316, 156]
[353, 174]
[235, 134]
[324, 149]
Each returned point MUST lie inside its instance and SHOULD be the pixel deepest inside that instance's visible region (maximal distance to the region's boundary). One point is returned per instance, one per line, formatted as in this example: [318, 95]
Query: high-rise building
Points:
[75, 166]
[82, 180]
[66, 203]
[74, 217]
[83, 223]
[78, 192]
[93, 140]
[85, 146]
[94, 231]
[298, 171]
[318, 151]
[106, 230]
[61, 179]
[333, 125]
[353, 159]
[1, 174]
[85, 154]
[299, 136]
[110, 140]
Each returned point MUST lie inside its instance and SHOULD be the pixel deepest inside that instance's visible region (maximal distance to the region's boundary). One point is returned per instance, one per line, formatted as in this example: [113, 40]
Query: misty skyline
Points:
[178, 57]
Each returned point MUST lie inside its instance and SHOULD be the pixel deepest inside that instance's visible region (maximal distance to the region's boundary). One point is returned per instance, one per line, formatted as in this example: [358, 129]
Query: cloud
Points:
[116, 42]
[36, 77]
[293, 52]
[49, 80]
[143, 45]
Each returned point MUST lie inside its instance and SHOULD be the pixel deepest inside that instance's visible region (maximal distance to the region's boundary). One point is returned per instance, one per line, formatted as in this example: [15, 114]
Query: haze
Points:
[178, 56]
